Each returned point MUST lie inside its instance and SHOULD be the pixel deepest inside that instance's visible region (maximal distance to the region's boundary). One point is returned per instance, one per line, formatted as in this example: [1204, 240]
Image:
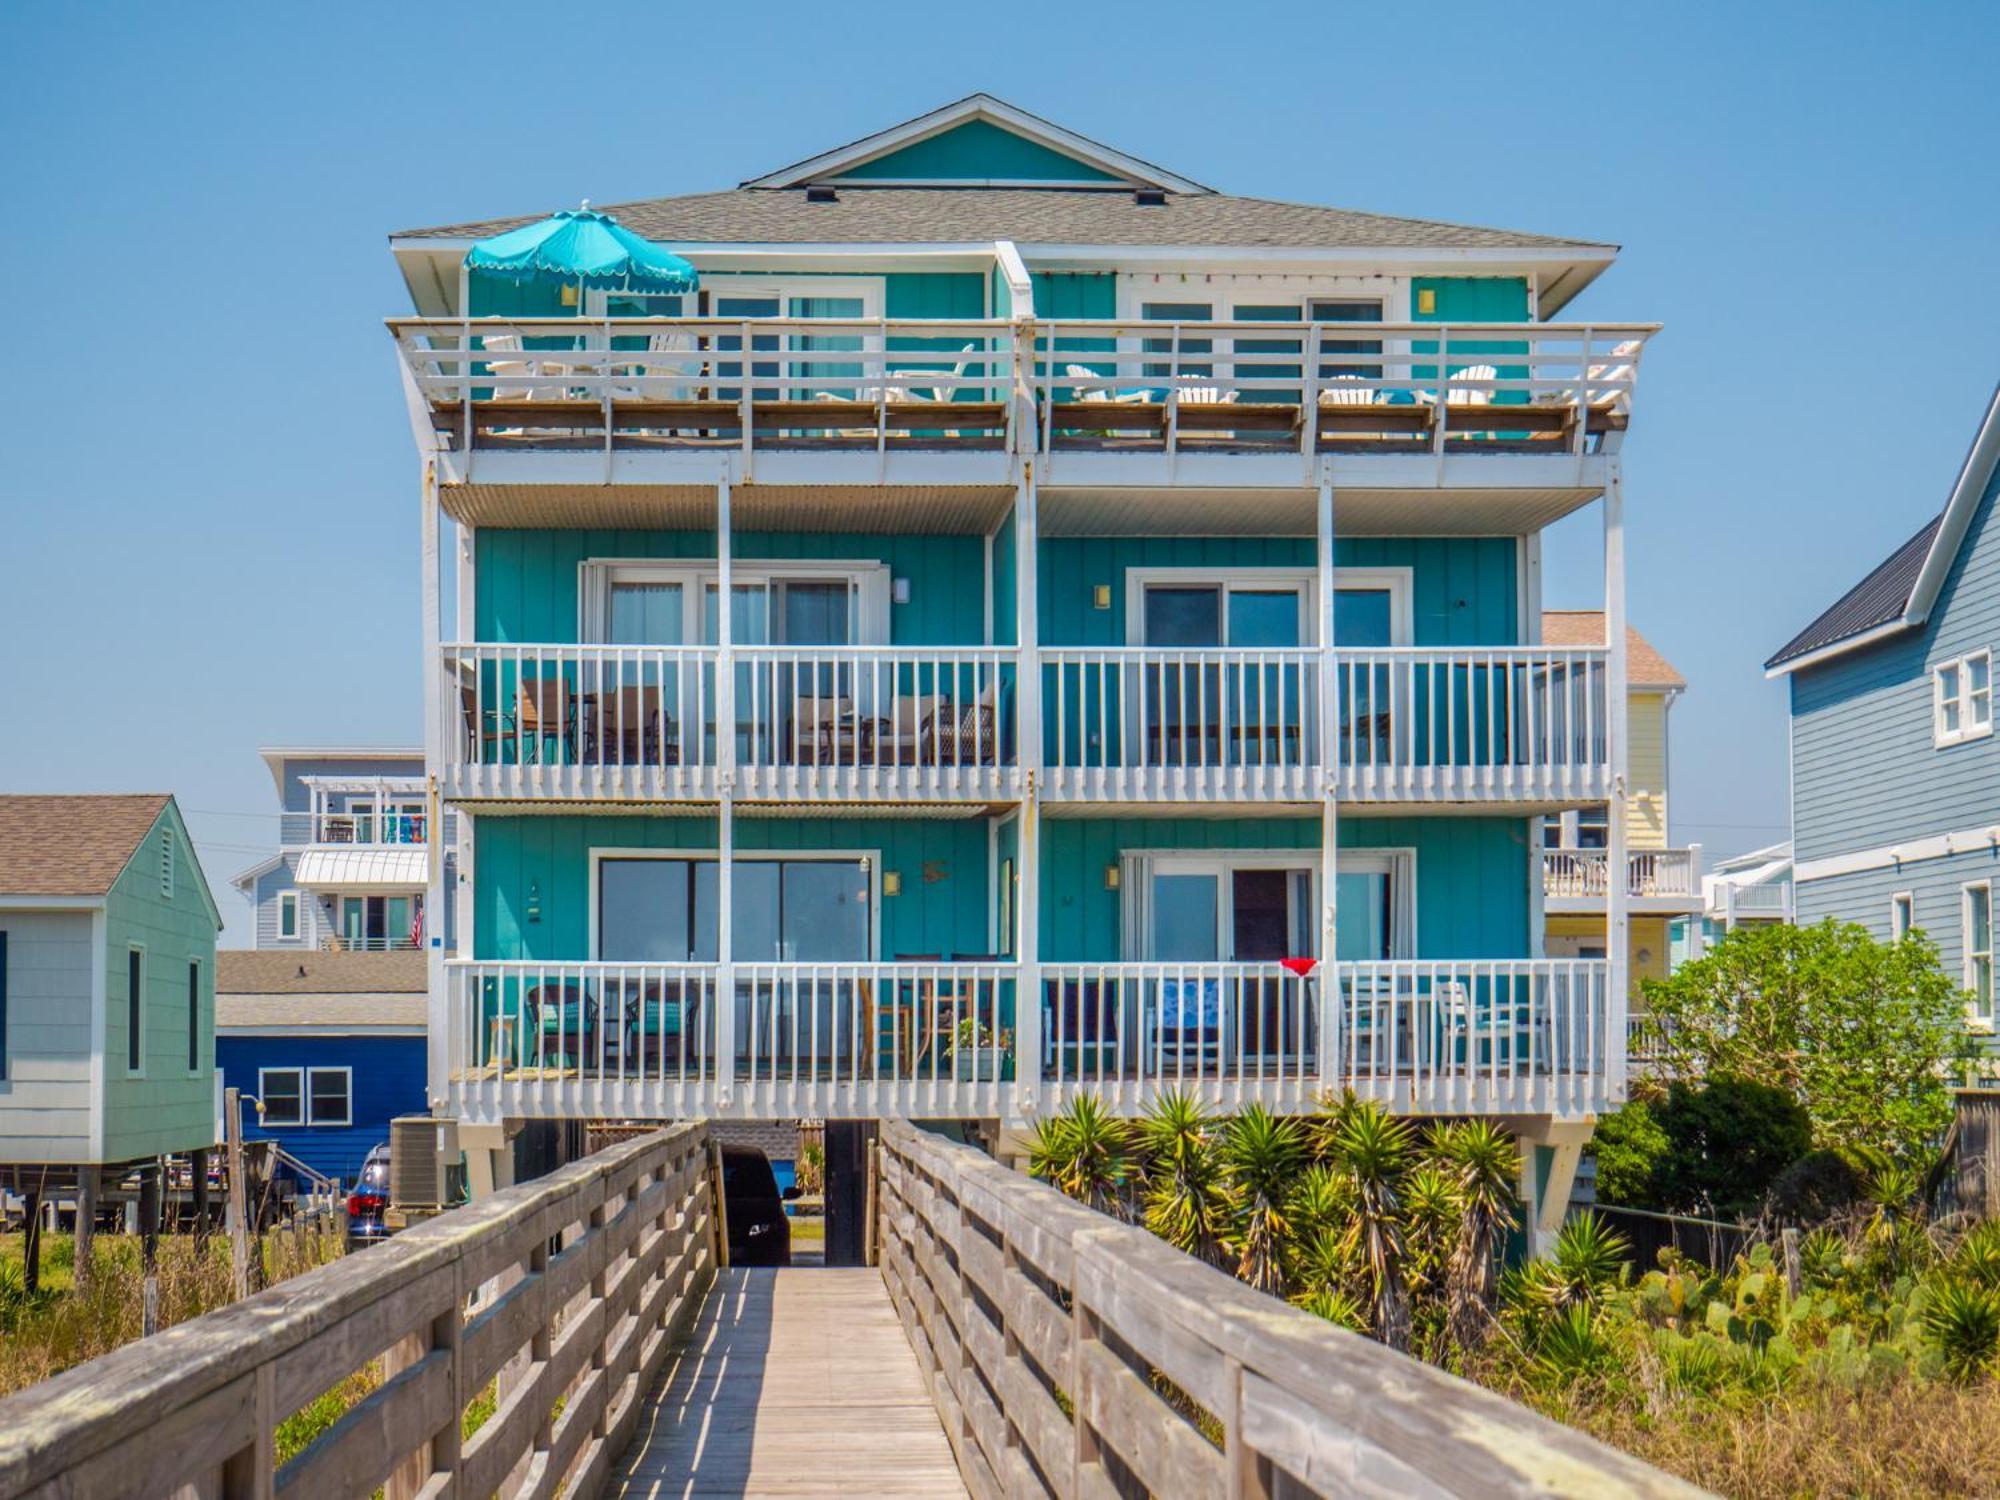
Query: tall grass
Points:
[59, 1326]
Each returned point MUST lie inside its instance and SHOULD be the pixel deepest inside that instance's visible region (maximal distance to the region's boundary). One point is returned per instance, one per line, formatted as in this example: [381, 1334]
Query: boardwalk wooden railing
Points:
[1073, 1356]
[576, 1285]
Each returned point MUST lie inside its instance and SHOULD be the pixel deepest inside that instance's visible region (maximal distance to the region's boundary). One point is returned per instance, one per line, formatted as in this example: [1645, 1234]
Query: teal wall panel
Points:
[526, 588]
[1005, 583]
[1472, 299]
[934, 294]
[1465, 590]
[543, 863]
[1471, 875]
[978, 151]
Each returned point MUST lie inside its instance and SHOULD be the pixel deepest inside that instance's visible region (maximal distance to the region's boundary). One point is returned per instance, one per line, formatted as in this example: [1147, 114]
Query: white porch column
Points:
[1617, 921]
[459, 873]
[725, 761]
[1028, 723]
[1329, 759]
[440, 1028]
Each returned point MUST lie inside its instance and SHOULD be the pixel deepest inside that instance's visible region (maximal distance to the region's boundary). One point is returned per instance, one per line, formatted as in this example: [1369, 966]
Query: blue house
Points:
[1895, 767]
[331, 1045]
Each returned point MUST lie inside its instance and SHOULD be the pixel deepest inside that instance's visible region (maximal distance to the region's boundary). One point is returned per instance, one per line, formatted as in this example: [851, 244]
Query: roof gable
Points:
[72, 846]
[977, 141]
[1900, 593]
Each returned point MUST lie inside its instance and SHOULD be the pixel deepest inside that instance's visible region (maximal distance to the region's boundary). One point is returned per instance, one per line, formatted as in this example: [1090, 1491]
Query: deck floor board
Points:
[796, 1383]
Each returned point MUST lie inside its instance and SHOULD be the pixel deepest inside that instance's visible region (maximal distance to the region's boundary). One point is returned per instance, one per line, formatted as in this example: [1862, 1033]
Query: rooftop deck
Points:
[900, 402]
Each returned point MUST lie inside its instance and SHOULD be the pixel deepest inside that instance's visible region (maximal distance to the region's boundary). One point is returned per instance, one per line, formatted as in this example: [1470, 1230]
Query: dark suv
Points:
[759, 1232]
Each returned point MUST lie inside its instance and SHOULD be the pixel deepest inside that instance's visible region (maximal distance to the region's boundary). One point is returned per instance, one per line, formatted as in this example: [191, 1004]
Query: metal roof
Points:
[1053, 216]
[1879, 599]
[387, 869]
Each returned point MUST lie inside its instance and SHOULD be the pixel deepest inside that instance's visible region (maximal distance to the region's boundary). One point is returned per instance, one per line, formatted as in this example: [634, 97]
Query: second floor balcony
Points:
[1657, 880]
[605, 400]
[878, 723]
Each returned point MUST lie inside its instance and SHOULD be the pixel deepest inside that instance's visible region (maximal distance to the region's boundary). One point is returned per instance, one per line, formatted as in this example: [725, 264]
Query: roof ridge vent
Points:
[819, 193]
[1150, 197]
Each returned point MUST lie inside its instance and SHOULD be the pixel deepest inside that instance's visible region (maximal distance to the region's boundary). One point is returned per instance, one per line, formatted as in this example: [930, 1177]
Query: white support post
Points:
[725, 760]
[1617, 920]
[1329, 758]
[439, 1010]
[1028, 723]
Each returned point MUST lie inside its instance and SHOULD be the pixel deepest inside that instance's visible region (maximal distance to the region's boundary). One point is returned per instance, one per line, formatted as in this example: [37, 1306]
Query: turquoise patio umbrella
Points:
[580, 247]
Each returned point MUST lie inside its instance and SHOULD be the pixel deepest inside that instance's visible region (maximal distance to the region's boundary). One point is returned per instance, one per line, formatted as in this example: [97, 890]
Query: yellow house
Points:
[1664, 882]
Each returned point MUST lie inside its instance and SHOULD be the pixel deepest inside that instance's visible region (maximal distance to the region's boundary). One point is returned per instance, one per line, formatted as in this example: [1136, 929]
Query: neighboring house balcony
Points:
[943, 1040]
[400, 827]
[1666, 881]
[1409, 725]
[514, 408]
[1772, 902]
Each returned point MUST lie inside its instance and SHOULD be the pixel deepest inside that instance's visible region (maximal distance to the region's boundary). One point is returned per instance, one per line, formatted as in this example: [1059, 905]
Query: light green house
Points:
[107, 986]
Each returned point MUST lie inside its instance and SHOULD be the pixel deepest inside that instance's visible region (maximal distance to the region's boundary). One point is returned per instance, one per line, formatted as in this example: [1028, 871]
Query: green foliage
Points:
[1189, 1195]
[1629, 1146]
[1262, 1154]
[1965, 1322]
[1865, 1035]
[1087, 1152]
[1712, 1148]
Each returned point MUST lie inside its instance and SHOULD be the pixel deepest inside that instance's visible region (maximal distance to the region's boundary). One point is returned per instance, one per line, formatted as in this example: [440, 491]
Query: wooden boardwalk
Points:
[796, 1383]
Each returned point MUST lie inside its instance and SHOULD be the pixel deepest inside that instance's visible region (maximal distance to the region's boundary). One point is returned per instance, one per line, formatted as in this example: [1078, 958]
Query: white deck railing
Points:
[1585, 874]
[397, 828]
[938, 1038]
[882, 384]
[1456, 724]
[1466, 1033]
[864, 721]
[1144, 724]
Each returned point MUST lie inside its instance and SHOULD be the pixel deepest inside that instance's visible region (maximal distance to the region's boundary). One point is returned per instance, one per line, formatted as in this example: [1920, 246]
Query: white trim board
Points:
[1984, 839]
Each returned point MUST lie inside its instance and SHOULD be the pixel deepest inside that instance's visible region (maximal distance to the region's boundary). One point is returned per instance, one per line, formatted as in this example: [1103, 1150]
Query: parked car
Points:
[759, 1232]
[369, 1201]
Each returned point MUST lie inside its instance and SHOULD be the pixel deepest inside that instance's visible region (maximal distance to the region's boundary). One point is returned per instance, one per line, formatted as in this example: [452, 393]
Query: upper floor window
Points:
[194, 1015]
[1902, 915]
[135, 1009]
[1962, 698]
[288, 914]
[1978, 932]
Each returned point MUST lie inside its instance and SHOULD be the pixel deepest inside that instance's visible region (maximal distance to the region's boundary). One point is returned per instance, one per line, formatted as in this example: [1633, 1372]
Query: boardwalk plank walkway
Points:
[794, 1383]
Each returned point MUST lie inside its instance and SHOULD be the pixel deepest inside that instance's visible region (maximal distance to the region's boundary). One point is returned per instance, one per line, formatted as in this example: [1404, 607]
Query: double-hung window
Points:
[306, 1096]
[282, 1093]
[1978, 932]
[1962, 698]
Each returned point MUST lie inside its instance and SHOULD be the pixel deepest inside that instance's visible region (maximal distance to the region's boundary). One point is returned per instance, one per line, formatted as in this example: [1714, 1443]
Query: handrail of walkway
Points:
[576, 1285]
[1073, 1356]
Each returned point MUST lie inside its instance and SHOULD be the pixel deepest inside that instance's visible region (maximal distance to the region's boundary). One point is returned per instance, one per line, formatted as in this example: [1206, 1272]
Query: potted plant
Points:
[977, 1052]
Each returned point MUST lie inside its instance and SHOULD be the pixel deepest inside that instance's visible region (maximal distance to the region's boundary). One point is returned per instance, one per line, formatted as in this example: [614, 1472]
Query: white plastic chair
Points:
[659, 358]
[521, 379]
[1346, 390]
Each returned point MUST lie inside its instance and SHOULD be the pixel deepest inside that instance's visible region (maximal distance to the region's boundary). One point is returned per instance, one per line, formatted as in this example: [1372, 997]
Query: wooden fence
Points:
[1076, 1357]
[575, 1286]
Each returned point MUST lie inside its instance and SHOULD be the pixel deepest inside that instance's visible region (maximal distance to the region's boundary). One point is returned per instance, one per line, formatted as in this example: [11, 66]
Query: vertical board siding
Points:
[388, 1080]
[170, 1108]
[977, 151]
[1465, 591]
[1471, 875]
[1865, 773]
[527, 579]
[942, 908]
[1004, 583]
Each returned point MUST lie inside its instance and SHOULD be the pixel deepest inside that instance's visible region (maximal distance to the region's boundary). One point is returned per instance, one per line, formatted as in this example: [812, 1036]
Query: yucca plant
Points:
[1977, 1258]
[1376, 1152]
[1588, 1257]
[1336, 1307]
[1964, 1322]
[1263, 1154]
[1087, 1153]
[1570, 1346]
[1486, 1164]
[1187, 1194]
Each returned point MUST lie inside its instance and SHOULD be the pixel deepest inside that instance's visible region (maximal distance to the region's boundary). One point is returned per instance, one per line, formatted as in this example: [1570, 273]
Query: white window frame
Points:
[136, 1006]
[1139, 866]
[290, 899]
[867, 579]
[264, 1098]
[1398, 582]
[306, 1096]
[869, 859]
[1224, 291]
[1962, 699]
[1902, 915]
[1975, 1019]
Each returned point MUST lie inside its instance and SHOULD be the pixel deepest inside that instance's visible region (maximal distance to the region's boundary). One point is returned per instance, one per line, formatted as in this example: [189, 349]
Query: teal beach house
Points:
[1016, 622]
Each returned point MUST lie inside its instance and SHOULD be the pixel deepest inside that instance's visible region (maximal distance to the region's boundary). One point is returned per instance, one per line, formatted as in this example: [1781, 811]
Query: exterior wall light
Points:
[1100, 596]
[892, 883]
[1111, 877]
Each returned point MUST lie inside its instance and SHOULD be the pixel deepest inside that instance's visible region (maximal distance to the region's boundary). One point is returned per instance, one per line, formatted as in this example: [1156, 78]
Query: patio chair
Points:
[483, 731]
[968, 739]
[948, 391]
[1091, 386]
[665, 354]
[529, 379]
[899, 739]
[542, 711]
[562, 1019]
[823, 730]
[1346, 390]
[632, 728]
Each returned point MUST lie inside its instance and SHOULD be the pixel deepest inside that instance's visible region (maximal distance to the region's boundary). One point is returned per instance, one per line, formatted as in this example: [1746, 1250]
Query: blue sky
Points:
[206, 475]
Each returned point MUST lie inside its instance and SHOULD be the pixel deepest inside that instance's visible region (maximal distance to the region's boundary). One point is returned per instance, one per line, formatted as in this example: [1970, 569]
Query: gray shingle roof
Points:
[1029, 215]
[331, 1013]
[1879, 598]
